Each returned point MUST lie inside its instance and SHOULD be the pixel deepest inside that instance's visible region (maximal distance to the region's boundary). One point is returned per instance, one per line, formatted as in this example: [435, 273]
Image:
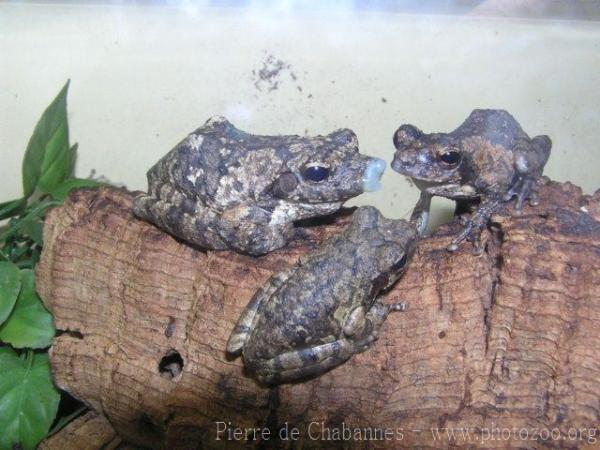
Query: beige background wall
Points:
[143, 77]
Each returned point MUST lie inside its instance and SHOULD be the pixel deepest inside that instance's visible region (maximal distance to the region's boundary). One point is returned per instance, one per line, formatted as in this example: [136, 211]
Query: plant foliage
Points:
[28, 397]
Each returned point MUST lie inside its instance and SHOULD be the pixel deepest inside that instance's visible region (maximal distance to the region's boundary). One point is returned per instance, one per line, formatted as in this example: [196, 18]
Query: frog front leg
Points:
[360, 330]
[362, 324]
[247, 319]
[475, 225]
[420, 214]
[524, 189]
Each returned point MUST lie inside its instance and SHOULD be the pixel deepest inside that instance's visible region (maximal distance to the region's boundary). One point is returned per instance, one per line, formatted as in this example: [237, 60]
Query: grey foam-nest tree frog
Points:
[326, 308]
[222, 188]
[488, 158]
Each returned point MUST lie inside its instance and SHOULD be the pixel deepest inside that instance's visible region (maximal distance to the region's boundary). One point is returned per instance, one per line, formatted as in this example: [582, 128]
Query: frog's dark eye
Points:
[450, 157]
[400, 263]
[315, 173]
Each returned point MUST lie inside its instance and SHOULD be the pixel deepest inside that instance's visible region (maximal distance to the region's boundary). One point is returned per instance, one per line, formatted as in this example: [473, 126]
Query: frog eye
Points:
[449, 157]
[400, 263]
[315, 172]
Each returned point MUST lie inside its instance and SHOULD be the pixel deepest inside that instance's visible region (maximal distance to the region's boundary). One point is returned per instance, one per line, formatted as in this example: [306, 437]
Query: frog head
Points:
[435, 158]
[325, 169]
[384, 245]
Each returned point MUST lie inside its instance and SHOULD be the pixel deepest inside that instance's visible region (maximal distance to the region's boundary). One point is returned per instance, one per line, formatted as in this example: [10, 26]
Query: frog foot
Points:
[524, 189]
[474, 226]
[472, 233]
[398, 307]
[464, 219]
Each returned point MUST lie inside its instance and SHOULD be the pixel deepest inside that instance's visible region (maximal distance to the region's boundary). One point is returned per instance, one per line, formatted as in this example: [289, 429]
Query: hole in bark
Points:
[171, 364]
[73, 333]
[442, 334]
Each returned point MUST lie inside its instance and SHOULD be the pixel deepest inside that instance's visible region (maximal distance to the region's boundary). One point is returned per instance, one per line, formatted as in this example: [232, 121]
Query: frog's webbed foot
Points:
[525, 194]
[374, 319]
[524, 189]
[247, 319]
[471, 232]
[474, 226]
[379, 312]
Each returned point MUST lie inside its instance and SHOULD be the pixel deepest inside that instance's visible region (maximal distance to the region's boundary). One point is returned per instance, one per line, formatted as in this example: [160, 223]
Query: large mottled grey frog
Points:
[488, 158]
[316, 315]
[222, 188]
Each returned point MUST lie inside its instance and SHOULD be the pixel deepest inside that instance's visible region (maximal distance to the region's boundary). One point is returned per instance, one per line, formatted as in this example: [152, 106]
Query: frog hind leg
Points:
[171, 210]
[530, 158]
[313, 361]
[246, 321]
[308, 362]
[248, 229]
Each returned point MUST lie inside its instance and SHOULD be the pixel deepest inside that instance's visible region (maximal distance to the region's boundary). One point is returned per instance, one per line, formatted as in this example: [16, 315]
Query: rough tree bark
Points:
[505, 341]
[91, 431]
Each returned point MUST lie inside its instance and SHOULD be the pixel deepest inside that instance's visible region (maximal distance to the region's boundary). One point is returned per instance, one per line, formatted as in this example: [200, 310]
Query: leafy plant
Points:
[28, 398]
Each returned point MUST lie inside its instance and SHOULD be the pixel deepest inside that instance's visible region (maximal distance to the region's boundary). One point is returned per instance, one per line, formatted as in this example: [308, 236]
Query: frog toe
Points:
[534, 199]
[398, 307]
[525, 192]
[468, 228]
[478, 247]
[508, 196]
[452, 247]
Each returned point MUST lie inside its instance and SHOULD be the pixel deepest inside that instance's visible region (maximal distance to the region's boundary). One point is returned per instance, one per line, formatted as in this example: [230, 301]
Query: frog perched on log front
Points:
[316, 315]
[488, 158]
[222, 188]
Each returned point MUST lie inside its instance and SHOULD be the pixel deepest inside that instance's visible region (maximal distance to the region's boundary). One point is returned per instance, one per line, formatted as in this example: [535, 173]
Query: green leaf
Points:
[28, 399]
[10, 285]
[33, 228]
[48, 156]
[11, 208]
[36, 211]
[58, 169]
[62, 191]
[30, 324]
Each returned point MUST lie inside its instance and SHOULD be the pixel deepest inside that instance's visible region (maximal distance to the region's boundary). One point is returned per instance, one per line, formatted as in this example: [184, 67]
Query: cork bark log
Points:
[496, 351]
[91, 431]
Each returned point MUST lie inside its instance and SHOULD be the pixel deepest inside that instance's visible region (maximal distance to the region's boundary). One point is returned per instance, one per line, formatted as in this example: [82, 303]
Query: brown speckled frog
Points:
[222, 188]
[316, 315]
[488, 158]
